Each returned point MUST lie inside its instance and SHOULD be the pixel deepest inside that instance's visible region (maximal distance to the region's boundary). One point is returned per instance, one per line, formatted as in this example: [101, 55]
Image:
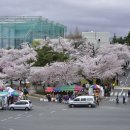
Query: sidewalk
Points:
[37, 96]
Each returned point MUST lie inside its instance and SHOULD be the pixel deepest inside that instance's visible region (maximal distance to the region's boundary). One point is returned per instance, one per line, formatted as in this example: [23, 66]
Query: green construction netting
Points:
[15, 30]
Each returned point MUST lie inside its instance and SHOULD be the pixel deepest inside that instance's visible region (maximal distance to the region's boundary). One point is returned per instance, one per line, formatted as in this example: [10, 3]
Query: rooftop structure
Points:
[18, 29]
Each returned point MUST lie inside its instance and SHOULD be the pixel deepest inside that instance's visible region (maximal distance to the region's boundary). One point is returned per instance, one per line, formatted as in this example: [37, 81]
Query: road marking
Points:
[64, 109]
[52, 111]
[11, 129]
[17, 118]
[4, 120]
[29, 116]
[41, 114]
[111, 93]
[112, 99]
[41, 99]
[115, 93]
[124, 94]
[10, 117]
[19, 115]
[120, 92]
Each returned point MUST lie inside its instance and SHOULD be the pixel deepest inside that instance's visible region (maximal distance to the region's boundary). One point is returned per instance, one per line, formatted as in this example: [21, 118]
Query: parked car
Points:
[22, 104]
[88, 101]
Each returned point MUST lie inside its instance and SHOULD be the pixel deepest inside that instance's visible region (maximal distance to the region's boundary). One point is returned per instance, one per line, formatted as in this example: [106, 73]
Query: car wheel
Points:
[69, 106]
[72, 105]
[89, 105]
[26, 109]
[11, 108]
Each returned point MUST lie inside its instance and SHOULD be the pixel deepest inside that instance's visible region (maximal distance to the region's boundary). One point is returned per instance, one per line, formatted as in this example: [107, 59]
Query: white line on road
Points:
[111, 93]
[115, 93]
[120, 92]
[112, 99]
[11, 129]
[124, 94]
[41, 114]
[64, 109]
[29, 116]
[17, 118]
[4, 120]
[10, 117]
[52, 111]
[19, 115]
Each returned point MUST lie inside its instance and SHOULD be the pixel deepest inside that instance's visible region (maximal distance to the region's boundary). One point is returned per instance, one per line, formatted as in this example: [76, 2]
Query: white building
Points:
[97, 38]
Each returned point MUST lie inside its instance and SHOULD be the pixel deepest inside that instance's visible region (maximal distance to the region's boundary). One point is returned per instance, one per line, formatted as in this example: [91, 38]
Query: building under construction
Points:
[15, 30]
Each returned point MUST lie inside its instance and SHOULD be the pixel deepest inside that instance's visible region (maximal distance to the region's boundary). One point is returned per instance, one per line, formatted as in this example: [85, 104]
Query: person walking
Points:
[117, 99]
[97, 100]
[124, 100]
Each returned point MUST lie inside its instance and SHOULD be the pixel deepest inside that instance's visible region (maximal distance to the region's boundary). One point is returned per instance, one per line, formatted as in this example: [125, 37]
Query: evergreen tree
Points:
[128, 39]
[114, 40]
[46, 55]
[121, 40]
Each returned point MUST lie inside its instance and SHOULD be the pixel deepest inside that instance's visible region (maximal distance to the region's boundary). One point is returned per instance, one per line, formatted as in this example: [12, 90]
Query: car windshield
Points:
[77, 99]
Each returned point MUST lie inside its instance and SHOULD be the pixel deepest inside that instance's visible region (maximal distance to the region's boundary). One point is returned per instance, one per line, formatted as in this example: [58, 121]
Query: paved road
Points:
[120, 92]
[55, 116]
[125, 80]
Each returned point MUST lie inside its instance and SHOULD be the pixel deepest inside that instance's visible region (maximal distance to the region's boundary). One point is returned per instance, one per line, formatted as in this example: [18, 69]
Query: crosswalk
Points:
[120, 99]
[119, 94]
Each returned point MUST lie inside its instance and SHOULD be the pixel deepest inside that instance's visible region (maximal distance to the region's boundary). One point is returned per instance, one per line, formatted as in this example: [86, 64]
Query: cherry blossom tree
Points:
[16, 63]
[64, 72]
[84, 61]
[103, 62]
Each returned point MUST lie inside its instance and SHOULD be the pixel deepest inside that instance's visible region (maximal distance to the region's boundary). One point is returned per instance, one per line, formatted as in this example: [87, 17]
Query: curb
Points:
[36, 96]
[127, 88]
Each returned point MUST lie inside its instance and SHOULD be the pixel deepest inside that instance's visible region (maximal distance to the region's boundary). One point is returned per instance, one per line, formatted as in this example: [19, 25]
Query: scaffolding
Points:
[15, 30]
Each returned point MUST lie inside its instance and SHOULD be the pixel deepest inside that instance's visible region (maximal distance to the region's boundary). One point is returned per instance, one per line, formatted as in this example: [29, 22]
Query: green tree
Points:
[127, 40]
[114, 40]
[121, 40]
[118, 39]
[35, 43]
[46, 55]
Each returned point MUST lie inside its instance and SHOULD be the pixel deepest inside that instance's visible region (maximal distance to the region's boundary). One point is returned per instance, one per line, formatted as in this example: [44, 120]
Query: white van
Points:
[82, 101]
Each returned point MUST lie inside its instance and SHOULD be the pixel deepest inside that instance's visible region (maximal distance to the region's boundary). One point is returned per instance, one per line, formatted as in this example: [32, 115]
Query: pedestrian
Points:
[60, 99]
[49, 98]
[117, 99]
[124, 99]
[113, 85]
[97, 100]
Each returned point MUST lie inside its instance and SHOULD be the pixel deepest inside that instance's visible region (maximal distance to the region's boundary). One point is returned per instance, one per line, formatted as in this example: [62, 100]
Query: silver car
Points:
[22, 104]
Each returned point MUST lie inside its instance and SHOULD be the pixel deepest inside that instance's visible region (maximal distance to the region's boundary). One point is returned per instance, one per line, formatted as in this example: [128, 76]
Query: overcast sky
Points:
[88, 15]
